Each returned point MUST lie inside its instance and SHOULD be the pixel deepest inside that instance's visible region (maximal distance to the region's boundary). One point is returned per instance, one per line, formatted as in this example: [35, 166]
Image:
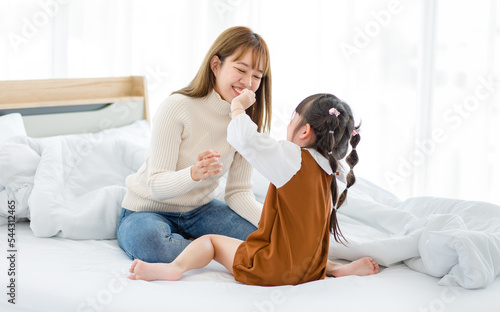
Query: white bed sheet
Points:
[57, 274]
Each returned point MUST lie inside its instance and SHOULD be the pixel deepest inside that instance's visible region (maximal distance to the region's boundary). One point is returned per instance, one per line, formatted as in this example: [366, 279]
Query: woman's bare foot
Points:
[362, 267]
[154, 271]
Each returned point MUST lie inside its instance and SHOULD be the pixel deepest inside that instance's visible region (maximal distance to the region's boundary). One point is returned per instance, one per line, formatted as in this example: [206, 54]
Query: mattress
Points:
[58, 274]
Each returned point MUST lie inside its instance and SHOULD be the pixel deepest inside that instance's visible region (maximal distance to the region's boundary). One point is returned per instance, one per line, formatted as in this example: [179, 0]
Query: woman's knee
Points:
[149, 238]
[138, 226]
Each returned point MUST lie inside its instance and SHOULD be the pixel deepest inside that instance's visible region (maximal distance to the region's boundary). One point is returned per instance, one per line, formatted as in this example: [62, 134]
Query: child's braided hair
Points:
[333, 124]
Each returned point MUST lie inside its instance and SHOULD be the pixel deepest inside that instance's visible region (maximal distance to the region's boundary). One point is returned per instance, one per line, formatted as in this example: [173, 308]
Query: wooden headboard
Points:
[66, 106]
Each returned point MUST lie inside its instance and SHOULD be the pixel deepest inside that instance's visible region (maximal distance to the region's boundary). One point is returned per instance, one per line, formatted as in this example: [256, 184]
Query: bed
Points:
[66, 146]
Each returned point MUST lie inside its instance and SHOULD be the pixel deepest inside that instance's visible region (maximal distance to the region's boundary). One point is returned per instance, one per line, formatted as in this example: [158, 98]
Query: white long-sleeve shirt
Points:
[278, 161]
[184, 127]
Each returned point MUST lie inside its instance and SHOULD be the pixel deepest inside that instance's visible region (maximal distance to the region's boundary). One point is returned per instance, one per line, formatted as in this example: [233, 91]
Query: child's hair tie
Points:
[331, 132]
[330, 153]
[354, 133]
[334, 111]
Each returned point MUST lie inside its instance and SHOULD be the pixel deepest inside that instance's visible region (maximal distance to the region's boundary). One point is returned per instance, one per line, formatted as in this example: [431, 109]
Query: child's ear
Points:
[307, 133]
[215, 64]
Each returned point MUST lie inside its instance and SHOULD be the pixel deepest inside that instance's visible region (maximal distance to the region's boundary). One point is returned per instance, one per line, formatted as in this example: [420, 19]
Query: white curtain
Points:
[423, 76]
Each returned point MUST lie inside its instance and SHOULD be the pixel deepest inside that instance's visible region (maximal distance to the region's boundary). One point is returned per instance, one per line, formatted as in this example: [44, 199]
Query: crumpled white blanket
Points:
[73, 185]
[456, 240]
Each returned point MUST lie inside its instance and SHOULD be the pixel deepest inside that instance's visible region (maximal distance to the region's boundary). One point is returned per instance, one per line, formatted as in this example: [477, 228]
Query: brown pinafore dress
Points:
[291, 244]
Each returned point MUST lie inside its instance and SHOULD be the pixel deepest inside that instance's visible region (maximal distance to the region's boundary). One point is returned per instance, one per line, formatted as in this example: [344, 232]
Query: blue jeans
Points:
[162, 236]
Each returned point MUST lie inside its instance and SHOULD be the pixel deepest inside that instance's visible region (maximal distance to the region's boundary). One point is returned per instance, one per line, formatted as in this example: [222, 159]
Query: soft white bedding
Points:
[454, 239]
[72, 186]
[57, 274]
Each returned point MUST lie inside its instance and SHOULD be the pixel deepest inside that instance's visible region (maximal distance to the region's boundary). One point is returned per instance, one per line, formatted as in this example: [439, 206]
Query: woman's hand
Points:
[243, 101]
[206, 166]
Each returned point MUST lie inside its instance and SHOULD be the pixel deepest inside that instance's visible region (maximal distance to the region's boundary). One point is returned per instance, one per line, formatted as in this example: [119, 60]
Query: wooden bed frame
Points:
[67, 106]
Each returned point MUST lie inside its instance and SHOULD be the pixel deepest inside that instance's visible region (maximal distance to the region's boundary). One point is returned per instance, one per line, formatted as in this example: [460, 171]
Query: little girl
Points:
[291, 243]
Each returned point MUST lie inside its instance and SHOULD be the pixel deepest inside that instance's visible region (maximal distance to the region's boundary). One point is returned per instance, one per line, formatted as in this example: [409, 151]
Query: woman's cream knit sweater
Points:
[182, 128]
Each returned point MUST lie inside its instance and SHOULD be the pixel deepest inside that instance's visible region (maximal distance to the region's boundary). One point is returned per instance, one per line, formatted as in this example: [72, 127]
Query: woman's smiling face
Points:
[232, 76]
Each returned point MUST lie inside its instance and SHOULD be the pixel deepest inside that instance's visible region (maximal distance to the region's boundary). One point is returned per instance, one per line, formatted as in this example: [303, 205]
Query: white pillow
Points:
[18, 163]
[11, 125]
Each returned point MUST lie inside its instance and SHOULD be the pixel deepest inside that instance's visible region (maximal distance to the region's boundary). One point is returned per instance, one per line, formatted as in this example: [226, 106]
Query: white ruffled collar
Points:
[325, 164]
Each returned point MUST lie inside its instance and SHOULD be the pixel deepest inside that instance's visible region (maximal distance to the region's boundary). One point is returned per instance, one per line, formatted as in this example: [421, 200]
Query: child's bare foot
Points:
[362, 267]
[154, 271]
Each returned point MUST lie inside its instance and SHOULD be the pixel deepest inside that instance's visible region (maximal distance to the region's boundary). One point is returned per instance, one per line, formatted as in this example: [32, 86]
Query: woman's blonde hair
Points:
[237, 40]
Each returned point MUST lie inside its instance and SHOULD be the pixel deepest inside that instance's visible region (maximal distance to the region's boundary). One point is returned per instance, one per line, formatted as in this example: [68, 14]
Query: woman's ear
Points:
[215, 64]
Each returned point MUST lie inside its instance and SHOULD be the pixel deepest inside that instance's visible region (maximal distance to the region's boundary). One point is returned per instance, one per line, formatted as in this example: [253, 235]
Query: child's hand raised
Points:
[244, 100]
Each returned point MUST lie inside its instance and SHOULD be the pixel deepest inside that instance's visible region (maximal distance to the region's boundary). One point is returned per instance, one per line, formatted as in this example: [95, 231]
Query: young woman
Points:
[291, 244]
[170, 199]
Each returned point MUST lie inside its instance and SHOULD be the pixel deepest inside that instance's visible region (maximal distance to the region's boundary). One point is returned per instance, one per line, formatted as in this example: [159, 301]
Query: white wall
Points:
[421, 75]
